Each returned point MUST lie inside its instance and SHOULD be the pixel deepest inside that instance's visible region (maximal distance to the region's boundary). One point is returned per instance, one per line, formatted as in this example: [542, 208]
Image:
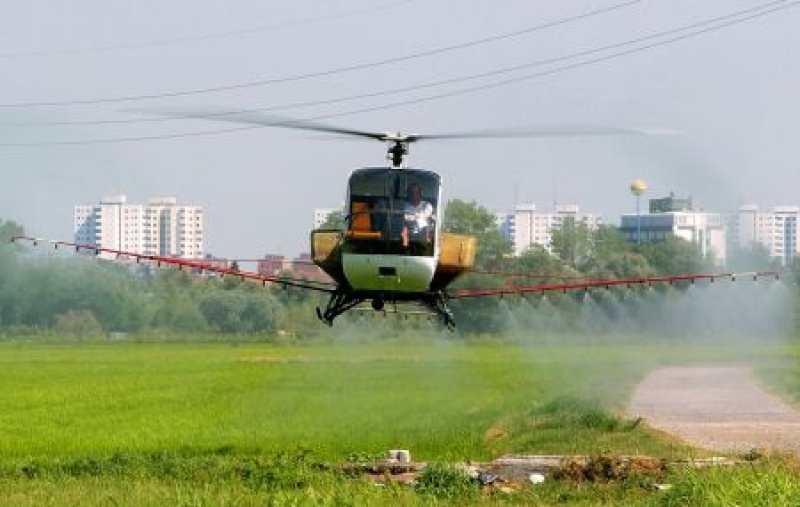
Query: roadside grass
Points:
[260, 424]
[783, 375]
[775, 482]
[571, 425]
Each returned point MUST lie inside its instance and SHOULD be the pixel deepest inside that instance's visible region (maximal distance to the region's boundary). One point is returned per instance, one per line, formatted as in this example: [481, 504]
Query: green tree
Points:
[752, 258]
[624, 264]
[614, 257]
[108, 291]
[79, 324]
[9, 274]
[9, 229]
[335, 220]
[222, 310]
[674, 256]
[572, 241]
[174, 301]
[537, 266]
[237, 311]
[46, 288]
[173, 278]
[536, 259]
[608, 241]
[230, 282]
[177, 311]
[463, 217]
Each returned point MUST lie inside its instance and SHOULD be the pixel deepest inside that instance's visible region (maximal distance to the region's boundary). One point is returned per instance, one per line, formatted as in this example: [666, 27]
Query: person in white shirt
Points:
[417, 217]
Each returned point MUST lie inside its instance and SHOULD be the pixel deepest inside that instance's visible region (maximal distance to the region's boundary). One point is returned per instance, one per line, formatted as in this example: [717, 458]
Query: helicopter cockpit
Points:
[391, 211]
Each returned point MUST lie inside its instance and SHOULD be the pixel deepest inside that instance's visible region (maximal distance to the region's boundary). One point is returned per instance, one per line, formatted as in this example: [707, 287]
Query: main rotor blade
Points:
[552, 130]
[258, 118]
[255, 117]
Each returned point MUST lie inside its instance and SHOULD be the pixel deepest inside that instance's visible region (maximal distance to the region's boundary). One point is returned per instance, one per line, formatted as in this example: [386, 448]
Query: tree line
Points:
[81, 296]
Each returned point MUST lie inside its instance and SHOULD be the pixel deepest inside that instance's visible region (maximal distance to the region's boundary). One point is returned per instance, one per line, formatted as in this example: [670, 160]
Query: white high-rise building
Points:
[526, 227]
[160, 228]
[776, 230]
[113, 223]
[173, 230]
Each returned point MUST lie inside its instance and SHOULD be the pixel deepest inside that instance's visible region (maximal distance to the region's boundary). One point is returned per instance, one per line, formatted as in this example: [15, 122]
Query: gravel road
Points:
[716, 408]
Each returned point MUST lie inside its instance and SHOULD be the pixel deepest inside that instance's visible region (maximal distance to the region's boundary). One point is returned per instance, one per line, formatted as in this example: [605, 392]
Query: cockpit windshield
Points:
[391, 211]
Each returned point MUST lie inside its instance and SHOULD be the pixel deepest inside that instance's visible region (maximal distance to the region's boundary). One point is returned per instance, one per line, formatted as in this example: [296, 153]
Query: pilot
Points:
[417, 217]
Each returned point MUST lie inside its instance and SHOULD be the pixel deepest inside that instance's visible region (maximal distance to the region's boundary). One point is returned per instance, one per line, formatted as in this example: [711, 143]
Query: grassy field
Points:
[124, 423]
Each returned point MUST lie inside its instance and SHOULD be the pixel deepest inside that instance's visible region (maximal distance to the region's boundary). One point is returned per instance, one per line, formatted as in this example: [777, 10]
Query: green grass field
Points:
[124, 423]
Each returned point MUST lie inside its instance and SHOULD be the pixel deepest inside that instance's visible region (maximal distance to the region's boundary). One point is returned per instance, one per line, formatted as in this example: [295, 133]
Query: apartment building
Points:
[162, 227]
[526, 226]
[775, 229]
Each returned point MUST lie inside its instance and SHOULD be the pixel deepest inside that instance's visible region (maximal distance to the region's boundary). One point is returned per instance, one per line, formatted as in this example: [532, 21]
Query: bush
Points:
[78, 324]
[446, 481]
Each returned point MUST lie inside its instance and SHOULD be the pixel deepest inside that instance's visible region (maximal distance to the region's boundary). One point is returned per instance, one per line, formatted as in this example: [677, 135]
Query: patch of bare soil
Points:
[716, 408]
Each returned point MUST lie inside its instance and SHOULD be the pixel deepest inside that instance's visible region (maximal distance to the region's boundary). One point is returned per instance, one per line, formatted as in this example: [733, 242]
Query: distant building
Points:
[671, 203]
[301, 267]
[162, 227]
[173, 230]
[775, 229]
[214, 262]
[670, 217]
[525, 226]
[272, 265]
[304, 267]
[113, 223]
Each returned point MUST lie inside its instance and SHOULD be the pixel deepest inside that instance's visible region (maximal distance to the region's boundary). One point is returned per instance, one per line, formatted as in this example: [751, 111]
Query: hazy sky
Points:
[74, 72]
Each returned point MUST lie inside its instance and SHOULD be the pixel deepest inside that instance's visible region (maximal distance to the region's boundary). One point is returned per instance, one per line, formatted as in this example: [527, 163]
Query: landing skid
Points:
[342, 301]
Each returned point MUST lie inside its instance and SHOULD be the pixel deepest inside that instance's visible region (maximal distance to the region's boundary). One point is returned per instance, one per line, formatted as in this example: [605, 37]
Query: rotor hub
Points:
[397, 150]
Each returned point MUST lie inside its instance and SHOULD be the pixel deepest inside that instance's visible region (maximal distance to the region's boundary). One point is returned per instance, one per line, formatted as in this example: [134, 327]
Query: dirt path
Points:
[717, 408]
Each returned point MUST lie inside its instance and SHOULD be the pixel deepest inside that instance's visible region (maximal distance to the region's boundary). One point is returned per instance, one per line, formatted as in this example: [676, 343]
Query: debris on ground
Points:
[395, 467]
[511, 472]
[715, 461]
[535, 469]
[609, 468]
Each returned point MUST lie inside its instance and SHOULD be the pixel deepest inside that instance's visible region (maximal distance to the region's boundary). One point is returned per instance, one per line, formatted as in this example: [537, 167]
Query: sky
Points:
[714, 83]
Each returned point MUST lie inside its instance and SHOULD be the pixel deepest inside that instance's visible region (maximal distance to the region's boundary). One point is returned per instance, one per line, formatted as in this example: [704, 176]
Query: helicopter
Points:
[392, 248]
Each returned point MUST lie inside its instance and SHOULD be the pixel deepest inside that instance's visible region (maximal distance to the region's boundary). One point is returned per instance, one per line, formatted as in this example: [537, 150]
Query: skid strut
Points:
[339, 303]
[437, 303]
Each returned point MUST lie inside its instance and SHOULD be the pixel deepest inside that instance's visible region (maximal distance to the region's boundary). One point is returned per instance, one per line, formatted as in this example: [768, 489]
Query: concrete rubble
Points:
[534, 469]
